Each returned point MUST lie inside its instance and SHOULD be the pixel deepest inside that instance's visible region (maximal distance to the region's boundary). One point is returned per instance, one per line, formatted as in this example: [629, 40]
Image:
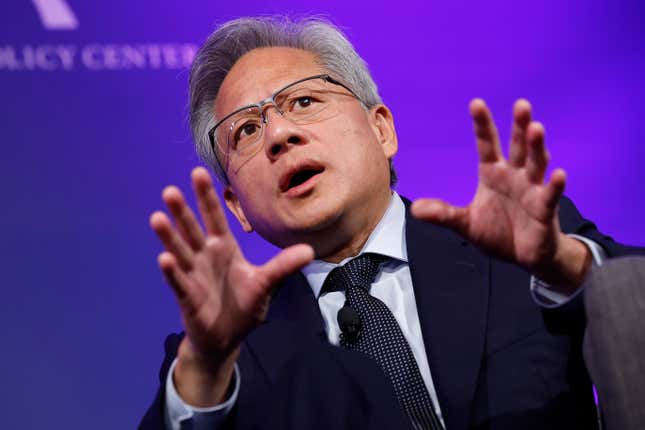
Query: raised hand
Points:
[221, 296]
[513, 214]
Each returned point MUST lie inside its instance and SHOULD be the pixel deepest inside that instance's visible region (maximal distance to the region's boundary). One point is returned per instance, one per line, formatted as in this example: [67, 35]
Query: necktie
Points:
[373, 330]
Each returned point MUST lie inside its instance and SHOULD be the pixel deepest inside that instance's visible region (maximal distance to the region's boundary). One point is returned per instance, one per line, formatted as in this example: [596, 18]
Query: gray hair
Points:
[232, 40]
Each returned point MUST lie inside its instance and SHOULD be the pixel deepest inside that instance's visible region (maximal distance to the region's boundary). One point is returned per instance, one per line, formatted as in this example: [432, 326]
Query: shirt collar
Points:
[387, 238]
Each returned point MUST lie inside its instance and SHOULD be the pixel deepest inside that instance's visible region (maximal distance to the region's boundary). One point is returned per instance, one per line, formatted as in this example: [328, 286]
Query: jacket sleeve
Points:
[570, 318]
[154, 417]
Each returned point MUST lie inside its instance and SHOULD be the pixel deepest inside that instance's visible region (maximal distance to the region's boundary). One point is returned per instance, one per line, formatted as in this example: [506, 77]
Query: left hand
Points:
[514, 214]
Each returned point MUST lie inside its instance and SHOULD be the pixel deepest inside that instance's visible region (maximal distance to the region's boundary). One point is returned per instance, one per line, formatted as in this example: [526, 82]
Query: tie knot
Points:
[359, 272]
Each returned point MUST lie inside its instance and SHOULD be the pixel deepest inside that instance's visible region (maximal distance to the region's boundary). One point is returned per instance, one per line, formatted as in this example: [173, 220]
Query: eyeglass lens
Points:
[303, 103]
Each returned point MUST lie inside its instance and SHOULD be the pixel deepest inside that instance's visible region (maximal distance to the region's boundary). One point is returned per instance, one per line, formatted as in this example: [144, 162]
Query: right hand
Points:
[221, 296]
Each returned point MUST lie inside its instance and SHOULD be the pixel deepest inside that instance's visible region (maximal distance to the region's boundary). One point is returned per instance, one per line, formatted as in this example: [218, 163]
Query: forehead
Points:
[258, 73]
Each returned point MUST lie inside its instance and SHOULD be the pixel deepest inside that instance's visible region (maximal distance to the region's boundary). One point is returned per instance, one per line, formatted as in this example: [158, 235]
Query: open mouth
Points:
[302, 176]
[299, 177]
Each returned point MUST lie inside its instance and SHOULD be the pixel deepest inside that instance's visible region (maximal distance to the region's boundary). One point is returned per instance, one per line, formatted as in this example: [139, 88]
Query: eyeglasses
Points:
[306, 101]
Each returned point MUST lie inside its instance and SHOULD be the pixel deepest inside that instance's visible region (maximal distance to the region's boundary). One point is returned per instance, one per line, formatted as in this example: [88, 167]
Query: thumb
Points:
[439, 212]
[287, 262]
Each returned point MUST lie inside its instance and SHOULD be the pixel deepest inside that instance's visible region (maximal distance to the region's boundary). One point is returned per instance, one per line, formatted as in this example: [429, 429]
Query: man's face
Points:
[343, 160]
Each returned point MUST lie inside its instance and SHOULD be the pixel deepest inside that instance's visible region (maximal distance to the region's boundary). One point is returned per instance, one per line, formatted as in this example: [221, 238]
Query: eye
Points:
[245, 133]
[248, 129]
[303, 102]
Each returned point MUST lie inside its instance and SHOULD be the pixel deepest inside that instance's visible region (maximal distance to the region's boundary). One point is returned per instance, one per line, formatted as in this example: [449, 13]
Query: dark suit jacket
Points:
[497, 359]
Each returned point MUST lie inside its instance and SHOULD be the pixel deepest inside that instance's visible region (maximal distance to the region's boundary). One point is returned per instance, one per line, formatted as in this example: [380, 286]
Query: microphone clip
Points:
[350, 323]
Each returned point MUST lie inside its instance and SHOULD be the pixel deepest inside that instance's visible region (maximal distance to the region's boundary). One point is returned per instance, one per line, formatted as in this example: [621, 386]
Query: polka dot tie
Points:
[381, 338]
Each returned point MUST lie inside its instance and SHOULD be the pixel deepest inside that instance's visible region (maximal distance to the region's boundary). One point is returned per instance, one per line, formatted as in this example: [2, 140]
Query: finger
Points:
[208, 203]
[188, 296]
[521, 120]
[439, 212]
[538, 158]
[555, 188]
[288, 261]
[186, 222]
[171, 240]
[485, 132]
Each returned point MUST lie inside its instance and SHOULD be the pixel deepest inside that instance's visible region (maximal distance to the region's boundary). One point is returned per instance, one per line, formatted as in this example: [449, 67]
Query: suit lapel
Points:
[294, 318]
[451, 286]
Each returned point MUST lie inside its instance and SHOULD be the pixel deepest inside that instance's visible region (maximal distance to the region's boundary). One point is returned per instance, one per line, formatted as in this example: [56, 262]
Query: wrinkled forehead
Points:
[260, 72]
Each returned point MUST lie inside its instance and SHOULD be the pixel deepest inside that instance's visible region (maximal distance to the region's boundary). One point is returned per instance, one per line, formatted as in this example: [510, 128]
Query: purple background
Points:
[85, 155]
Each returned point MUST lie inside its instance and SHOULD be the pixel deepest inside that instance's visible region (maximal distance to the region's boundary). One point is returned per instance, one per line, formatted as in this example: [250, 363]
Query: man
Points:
[289, 118]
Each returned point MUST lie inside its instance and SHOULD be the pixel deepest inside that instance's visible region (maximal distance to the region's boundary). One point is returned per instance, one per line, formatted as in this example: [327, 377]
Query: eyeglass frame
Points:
[271, 100]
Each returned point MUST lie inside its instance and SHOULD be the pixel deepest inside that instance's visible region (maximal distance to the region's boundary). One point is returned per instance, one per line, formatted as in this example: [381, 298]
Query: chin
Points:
[314, 218]
[303, 223]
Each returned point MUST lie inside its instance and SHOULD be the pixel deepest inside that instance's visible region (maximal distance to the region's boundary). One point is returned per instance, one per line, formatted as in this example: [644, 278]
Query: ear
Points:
[383, 125]
[233, 204]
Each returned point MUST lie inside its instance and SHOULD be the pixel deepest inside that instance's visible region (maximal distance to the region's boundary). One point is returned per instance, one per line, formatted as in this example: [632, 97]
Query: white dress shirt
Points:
[393, 286]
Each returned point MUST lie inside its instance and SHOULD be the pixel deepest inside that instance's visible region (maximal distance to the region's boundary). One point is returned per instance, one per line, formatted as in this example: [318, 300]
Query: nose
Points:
[279, 133]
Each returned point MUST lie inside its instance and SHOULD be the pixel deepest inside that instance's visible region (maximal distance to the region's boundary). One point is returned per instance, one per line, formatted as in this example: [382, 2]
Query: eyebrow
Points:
[320, 75]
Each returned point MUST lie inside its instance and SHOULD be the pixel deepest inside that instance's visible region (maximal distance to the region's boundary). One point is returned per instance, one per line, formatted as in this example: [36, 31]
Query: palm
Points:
[221, 295]
[218, 305]
[513, 212]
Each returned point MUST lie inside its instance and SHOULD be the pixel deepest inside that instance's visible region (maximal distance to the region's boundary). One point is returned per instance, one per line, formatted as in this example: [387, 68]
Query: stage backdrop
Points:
[93, 125]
